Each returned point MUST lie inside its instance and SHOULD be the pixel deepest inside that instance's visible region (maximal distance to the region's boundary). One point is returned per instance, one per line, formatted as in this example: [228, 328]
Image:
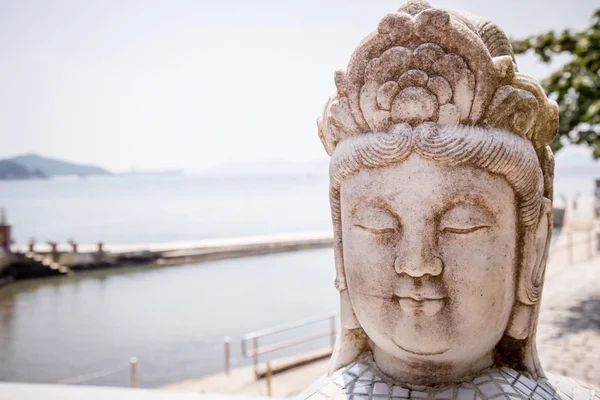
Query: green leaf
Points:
[576, 85]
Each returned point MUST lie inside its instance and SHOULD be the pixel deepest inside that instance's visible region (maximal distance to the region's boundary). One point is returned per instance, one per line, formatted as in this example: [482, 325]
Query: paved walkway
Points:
[569, 328]
[242, 381]
[578, 238]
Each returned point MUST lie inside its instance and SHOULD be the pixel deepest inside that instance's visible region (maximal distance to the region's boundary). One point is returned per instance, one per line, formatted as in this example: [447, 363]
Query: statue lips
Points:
[419, 305]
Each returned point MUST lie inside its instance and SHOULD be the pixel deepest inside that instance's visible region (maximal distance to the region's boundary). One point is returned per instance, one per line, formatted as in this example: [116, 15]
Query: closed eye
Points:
[377, 231]
[462, 231]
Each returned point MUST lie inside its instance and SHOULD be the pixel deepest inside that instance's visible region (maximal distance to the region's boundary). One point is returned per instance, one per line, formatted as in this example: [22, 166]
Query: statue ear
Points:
[536, 245]
[347, 317]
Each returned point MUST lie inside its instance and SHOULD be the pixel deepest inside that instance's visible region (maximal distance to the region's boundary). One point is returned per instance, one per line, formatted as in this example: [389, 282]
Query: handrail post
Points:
[268, 376]
[53, 250]
[227, 355]
[255, 355]
[133, 371]
[73, 245]
[332, 326]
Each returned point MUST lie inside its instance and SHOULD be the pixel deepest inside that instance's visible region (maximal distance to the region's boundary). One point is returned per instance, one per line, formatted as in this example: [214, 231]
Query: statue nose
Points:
[419, 260]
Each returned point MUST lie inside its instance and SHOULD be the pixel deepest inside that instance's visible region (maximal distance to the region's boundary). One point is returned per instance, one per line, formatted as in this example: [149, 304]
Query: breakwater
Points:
[51, 258]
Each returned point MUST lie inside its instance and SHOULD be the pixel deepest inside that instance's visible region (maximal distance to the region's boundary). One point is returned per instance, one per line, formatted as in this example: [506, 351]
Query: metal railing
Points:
[591, 236]
[252, 338]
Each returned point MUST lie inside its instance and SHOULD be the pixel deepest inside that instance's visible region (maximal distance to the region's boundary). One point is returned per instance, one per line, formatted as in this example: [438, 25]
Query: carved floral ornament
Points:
[431, 67]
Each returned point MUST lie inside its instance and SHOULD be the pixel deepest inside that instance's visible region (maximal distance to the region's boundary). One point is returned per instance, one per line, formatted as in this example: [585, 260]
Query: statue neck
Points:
[428, 373]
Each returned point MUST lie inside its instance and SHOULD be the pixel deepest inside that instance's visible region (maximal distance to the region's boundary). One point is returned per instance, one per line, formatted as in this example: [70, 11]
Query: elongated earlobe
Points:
[351, 340]
[520, 321]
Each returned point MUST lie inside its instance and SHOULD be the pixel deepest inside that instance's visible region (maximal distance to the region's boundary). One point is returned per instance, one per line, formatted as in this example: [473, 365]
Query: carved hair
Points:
[498, 152]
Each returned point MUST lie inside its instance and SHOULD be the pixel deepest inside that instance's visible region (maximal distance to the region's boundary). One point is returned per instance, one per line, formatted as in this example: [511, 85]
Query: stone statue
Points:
[441, 199]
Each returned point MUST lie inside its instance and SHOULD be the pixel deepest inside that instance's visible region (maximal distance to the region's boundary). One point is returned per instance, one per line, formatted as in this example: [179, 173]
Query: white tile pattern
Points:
[359, 381]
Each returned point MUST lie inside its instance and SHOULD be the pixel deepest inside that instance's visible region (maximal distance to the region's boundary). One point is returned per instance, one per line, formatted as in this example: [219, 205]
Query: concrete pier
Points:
[74, 256]
[275, 241]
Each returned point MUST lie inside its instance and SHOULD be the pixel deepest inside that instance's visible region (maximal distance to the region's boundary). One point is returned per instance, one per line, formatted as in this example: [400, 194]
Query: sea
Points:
[84, 329]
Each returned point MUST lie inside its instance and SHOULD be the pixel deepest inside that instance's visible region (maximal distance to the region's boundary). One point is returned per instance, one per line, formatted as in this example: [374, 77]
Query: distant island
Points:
[14, 170]
[34, 166]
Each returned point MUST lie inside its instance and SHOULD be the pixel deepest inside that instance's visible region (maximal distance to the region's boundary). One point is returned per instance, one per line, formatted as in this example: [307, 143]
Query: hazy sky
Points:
[191, 84]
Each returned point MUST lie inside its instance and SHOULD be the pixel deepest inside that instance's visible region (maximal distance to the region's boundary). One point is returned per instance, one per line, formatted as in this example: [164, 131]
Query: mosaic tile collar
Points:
[359, 381]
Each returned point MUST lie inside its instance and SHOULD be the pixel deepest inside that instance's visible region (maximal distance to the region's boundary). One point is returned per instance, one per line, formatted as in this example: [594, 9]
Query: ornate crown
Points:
[428, 64]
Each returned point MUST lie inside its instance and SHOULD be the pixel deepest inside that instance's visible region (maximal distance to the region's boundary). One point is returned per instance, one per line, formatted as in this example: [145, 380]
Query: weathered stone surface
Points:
[441, 194]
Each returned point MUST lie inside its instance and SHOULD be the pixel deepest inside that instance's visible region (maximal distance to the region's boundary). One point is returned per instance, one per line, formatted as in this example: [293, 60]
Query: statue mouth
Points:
[421, 306]
[416, 304]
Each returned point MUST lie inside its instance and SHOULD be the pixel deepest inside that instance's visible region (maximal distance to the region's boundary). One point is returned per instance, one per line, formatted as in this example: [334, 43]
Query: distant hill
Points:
[14, 170]
[53, 167]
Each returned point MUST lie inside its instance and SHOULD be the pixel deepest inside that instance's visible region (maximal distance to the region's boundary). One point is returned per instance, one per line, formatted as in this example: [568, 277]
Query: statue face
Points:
[429, 253]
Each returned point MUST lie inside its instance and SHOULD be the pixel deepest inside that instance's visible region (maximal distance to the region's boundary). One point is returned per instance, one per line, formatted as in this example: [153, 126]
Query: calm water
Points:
[172, 319]
[142, 209]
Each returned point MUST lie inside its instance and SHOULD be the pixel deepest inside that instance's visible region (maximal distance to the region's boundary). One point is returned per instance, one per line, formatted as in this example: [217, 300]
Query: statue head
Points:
[441, 189]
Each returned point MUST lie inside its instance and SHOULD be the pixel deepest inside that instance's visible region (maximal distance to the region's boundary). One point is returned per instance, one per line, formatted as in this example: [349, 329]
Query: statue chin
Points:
[424, 351]
[440, 190]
